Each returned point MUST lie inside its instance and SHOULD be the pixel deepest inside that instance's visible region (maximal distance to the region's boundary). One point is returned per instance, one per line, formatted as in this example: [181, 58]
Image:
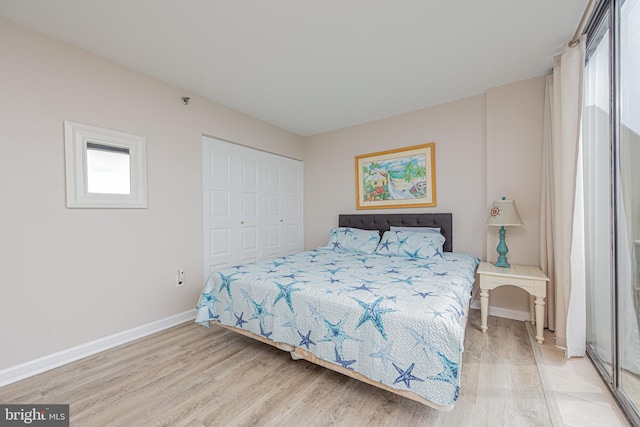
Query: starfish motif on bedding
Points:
[314, 313]
[408, 280]
[373, 313]
[208, 297]
[278, 264]
[246, 296]
[437, 313]
[239, 320]
[259, 311]
[384, 245]
[291, 322]
[413, 255]
[285, 293]
[406, 376]
[208, 300]
[424, 294]
[336, 335]
[333, 270]
[344, 363]
[229, 306]
[364, 287]
[455, 297]
[213, 316]
[384, 354]
[421, 341]
[426, 265]
[402, 241]
[449, 370]
[306, 340]
[454, 312]
[267, 335]
[226, 282]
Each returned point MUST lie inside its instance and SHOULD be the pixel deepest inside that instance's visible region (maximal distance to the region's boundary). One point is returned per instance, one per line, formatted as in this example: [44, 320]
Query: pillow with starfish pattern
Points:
[354, 240]
[412, 245]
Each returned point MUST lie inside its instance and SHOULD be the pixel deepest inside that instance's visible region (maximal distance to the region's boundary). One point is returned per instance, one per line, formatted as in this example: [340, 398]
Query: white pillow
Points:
[353, 239]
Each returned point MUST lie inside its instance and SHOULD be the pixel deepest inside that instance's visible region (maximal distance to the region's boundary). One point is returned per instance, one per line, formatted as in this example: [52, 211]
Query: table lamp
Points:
[503, 213]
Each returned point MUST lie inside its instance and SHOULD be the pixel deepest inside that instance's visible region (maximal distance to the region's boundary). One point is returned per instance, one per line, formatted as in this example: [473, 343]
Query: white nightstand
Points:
[526, 277]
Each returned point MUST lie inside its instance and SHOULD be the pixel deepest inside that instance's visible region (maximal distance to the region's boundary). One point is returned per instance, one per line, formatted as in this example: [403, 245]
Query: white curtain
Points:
[547, 263]
[566, 292]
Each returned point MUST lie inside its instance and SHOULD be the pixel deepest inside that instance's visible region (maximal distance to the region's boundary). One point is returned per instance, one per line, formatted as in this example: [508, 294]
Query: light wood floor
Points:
[193, 376]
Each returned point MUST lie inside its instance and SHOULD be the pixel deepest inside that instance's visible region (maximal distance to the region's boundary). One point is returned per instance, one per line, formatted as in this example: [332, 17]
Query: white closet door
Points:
[252, 205]
[292, 230]
[273, 218]
[283, 206]
[231, 205]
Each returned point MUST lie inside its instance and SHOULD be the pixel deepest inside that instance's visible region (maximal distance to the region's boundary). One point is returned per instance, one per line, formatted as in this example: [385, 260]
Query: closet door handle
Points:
[241, 222]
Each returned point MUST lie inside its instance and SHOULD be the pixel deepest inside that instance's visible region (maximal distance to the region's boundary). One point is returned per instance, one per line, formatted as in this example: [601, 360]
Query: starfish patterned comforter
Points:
[397, 320]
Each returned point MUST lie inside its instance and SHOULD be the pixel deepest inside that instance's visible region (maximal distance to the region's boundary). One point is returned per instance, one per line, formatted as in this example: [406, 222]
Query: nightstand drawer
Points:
[491, 282]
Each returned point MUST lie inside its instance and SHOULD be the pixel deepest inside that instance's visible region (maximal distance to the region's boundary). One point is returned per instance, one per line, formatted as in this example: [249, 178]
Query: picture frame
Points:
[399, 178]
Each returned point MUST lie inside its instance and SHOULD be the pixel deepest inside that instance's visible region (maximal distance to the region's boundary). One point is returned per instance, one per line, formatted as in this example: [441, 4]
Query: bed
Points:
[381, 304]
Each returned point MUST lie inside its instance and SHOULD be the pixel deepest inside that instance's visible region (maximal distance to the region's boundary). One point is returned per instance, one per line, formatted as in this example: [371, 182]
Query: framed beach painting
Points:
[400, 178]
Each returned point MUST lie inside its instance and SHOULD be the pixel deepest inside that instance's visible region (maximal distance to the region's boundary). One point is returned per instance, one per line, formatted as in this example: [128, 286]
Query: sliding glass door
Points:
[611, 161]
[597, 164]
[628, 204]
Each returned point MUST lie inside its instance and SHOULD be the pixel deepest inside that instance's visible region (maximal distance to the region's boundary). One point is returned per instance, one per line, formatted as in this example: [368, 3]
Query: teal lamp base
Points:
[502, 250]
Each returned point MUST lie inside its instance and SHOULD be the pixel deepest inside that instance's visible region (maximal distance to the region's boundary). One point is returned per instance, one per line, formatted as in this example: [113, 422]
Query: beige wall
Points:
[70, 276]
[486, 146]
[514, 164]
[458, 130]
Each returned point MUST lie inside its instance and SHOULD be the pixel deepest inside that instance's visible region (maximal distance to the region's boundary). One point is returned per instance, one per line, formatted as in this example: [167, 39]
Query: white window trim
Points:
[76, 136]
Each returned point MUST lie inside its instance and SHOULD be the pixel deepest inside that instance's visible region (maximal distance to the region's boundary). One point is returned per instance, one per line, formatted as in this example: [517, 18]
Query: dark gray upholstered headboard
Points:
[382, 222]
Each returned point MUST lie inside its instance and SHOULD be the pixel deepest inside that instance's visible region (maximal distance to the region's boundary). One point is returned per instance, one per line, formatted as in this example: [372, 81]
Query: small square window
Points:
[105, 168]
[108, 169]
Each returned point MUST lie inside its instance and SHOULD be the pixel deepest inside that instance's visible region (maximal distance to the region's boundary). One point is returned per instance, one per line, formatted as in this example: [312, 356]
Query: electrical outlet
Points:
[180, 278]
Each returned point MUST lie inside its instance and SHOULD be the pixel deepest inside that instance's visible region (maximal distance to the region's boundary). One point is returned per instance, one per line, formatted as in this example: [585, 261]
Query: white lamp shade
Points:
[504, 212]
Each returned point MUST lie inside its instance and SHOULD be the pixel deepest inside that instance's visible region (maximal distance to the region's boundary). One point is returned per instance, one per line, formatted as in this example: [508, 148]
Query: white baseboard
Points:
[45, 363]
[505, 312]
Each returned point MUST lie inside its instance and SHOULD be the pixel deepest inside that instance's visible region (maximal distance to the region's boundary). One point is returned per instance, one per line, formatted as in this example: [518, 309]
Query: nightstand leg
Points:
[532, 312]
[539, 319]
[484, 308]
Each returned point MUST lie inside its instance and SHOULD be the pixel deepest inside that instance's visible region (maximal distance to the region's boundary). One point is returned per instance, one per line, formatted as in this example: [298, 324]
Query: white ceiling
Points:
[313, 66]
